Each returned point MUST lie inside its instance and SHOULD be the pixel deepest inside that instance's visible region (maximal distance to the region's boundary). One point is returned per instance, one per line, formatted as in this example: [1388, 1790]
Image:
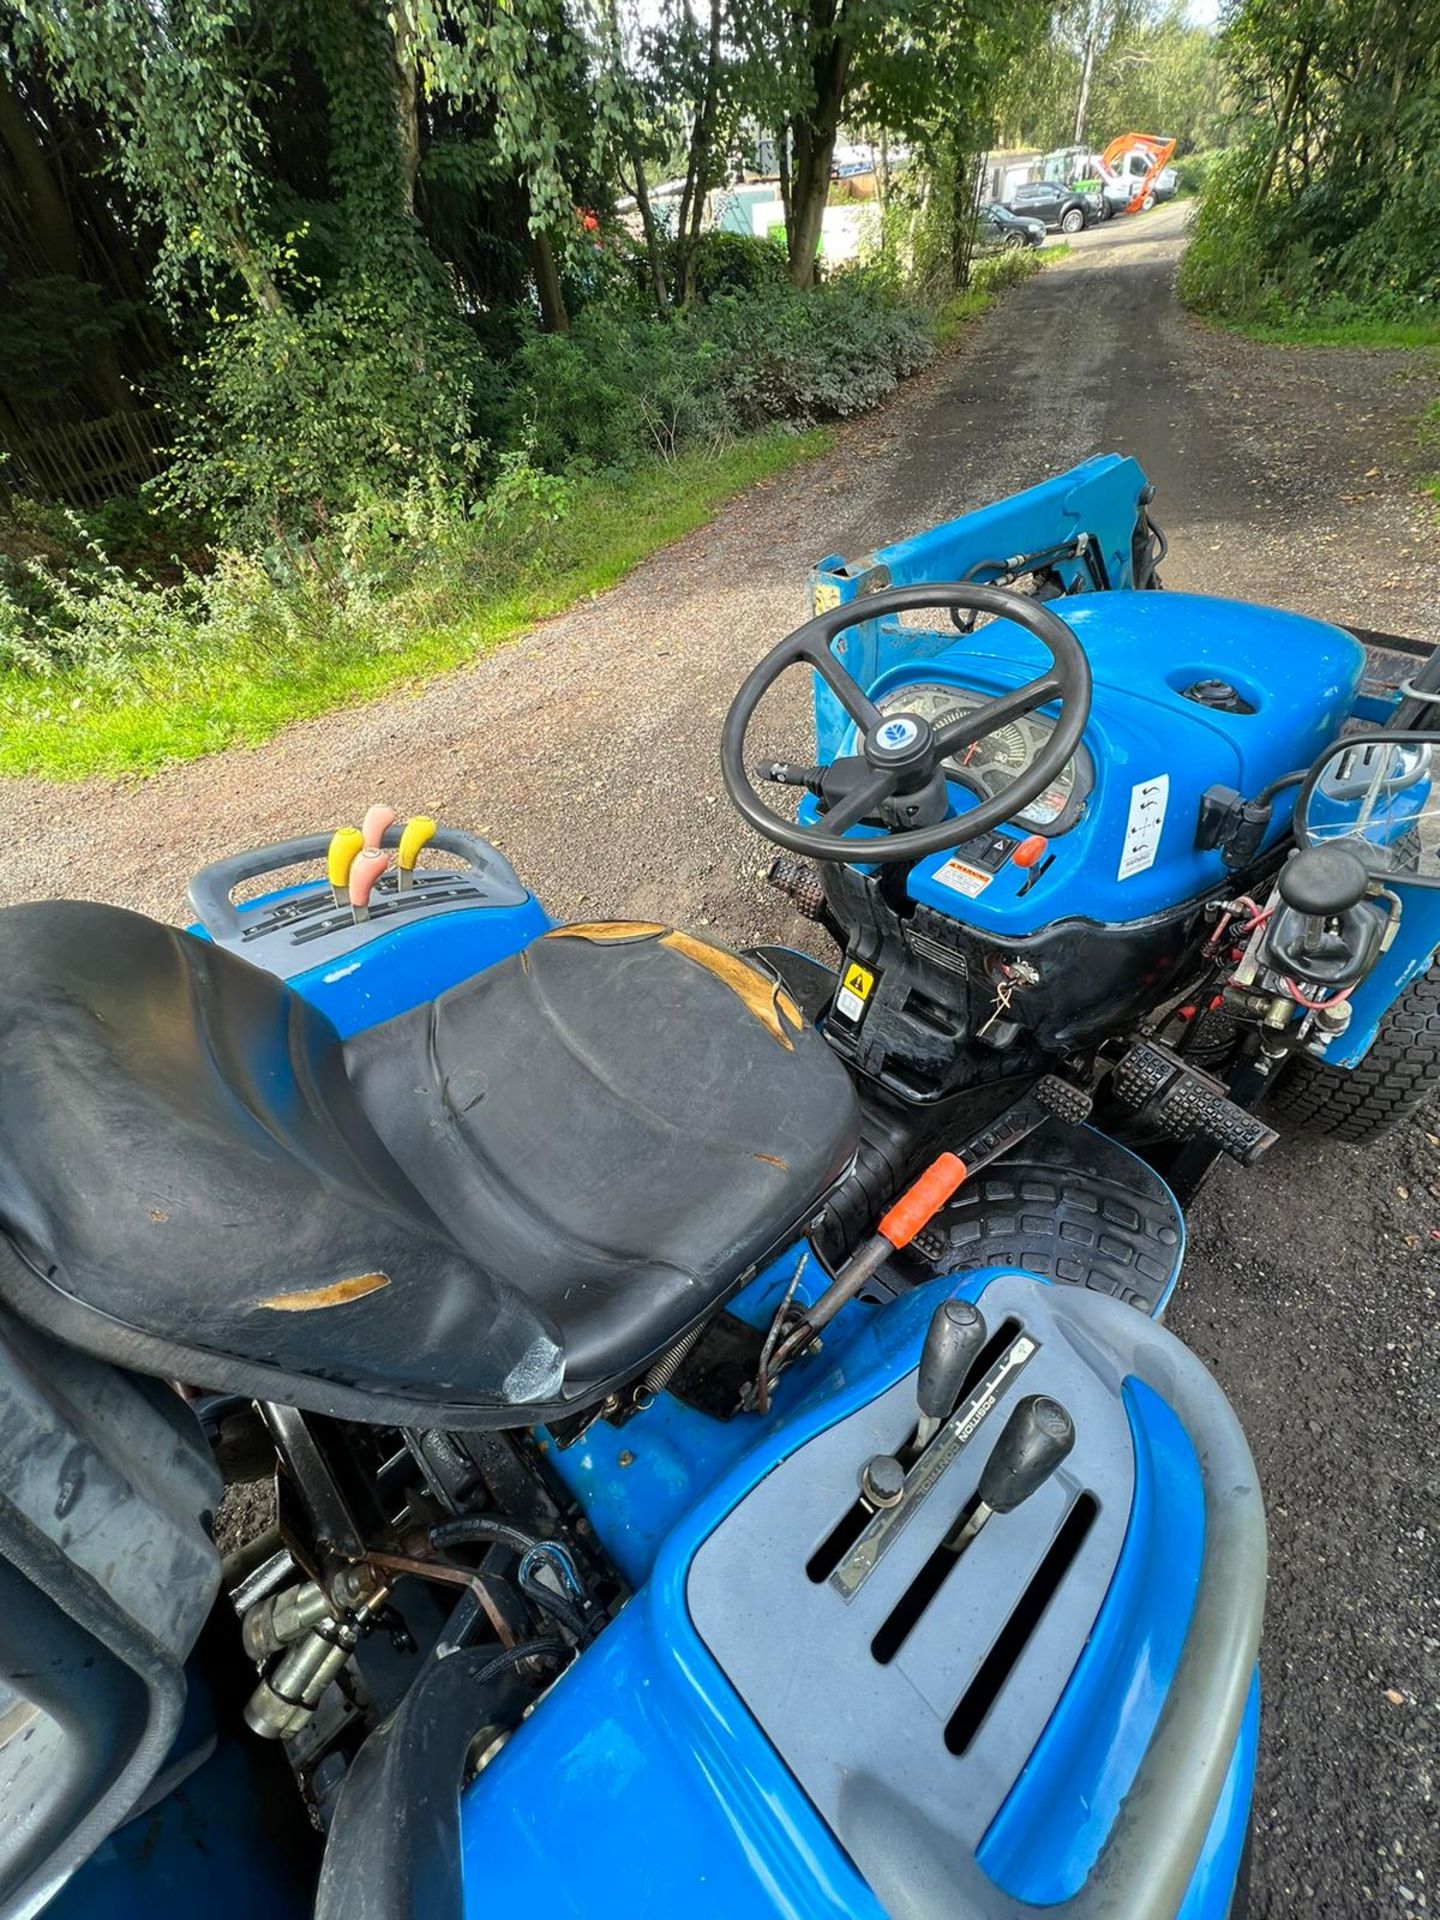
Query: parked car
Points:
[1057, 205]
[1001, 228]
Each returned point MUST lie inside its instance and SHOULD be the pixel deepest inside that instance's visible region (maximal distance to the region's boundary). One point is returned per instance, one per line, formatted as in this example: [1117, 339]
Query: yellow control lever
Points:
[418, 833]
[345, 843]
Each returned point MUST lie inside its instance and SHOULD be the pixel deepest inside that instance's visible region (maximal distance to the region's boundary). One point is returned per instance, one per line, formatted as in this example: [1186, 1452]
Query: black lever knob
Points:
[952, 1345]
[1034, 1440]
[1324, 880]
[882, 1481]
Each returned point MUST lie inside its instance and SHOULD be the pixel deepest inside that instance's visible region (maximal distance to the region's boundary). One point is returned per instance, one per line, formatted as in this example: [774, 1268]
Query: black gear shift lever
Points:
[952, 1344]
[1035, 1439]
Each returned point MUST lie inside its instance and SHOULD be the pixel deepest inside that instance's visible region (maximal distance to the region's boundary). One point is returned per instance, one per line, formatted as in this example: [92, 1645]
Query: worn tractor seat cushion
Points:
[191, 1182]
[623, 1117]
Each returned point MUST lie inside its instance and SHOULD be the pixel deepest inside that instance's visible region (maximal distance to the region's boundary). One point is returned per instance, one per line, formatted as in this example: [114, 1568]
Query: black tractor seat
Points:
[490, 1211]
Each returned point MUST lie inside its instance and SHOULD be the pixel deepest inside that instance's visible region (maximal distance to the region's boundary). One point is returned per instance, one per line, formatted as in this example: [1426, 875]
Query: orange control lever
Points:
[377, 822]
[1030, 850]
[920, 1203]
[365, 871]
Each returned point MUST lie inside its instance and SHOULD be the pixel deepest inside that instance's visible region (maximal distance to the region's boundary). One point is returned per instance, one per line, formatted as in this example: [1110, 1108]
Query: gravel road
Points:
[588, 751]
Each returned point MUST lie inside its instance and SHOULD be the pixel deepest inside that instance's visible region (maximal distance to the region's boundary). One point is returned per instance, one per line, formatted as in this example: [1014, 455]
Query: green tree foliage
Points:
[1332, 202]
[1115, 66]
[362, 210]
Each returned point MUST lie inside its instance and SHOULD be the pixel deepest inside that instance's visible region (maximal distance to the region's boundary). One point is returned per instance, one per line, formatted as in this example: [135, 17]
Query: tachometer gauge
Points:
[993, 762]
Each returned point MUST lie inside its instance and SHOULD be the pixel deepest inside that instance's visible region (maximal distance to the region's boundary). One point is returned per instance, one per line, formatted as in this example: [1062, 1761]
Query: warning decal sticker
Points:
[961, 877]
[855, 990]
[1148, 800]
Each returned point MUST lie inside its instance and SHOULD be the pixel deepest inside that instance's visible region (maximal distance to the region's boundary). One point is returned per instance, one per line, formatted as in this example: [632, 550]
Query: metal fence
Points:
[84, 462]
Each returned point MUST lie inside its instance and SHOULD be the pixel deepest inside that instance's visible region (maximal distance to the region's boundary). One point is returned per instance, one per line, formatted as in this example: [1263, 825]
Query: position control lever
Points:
[1034, 1440]
[952, 1345]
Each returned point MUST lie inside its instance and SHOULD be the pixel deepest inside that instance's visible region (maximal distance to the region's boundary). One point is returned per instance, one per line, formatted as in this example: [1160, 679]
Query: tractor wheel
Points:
[1393, 1081]
[1072, 220]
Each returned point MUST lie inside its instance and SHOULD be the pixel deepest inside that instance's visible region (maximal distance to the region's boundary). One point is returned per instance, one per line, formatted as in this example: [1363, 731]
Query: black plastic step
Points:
[1069, 1204]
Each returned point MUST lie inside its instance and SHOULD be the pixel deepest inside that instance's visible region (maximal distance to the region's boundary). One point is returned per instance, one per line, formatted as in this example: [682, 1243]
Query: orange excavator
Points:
[1135, 162]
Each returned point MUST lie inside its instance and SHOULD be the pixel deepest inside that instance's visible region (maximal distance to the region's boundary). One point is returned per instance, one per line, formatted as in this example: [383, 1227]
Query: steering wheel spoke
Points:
[845, 687]
[996, 714]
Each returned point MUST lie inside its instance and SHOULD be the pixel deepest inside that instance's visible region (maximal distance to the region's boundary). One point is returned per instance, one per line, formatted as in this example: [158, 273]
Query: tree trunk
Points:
[553, 316]
[1093, 22]
[697, 167]
[1282, 127]
[50, 220]
[964, 176]
[782, 168]
[815, 131]
[52, 227]
[647, 223]
[626, 93]
[407, 103]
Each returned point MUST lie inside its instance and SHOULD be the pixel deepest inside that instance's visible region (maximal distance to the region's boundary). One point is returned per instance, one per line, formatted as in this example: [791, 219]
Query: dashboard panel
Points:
[992, 763]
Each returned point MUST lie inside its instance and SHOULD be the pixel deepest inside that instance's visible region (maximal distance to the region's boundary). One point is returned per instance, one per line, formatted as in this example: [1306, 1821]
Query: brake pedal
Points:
[1186, 1104]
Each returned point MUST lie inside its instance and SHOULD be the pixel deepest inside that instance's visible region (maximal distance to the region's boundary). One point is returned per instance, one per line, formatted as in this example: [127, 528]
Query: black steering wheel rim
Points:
[1066, 680]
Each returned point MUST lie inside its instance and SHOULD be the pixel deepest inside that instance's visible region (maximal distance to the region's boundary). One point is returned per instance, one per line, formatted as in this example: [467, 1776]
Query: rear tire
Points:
[1392, 1083]
[1072, 221]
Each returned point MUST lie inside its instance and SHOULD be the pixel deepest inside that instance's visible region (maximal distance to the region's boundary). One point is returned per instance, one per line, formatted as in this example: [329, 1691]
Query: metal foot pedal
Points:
[1051, 1098]
[799, 880]
[1186, 1104]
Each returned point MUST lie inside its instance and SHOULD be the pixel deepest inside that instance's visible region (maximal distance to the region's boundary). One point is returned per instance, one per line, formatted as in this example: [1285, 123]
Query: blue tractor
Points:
[496, 1412]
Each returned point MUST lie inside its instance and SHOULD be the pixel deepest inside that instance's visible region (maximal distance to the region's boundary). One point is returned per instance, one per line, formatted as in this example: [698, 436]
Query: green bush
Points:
[784, 356]
[1339, 253]
[618, 389]
[1224, 269]
[1193, 170]
[100, 674]
[294, 416]
[735, 263]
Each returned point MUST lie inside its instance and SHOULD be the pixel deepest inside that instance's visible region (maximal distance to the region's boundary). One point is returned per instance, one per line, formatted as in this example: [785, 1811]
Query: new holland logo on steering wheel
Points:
[898, 732]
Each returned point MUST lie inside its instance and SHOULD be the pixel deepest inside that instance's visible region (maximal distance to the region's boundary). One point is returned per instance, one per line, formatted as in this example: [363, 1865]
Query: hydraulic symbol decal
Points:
[1148, 800]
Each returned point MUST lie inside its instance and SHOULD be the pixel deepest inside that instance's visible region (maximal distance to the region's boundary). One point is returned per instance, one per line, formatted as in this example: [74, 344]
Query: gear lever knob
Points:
[1033, 1442]
[952, 1344]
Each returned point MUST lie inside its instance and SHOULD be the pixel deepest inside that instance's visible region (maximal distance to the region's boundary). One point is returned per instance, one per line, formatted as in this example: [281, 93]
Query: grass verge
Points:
[336, 637]
[1361, 331]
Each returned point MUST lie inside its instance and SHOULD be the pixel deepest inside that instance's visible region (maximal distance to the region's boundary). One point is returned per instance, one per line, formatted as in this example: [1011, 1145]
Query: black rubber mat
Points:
[1072, 1205]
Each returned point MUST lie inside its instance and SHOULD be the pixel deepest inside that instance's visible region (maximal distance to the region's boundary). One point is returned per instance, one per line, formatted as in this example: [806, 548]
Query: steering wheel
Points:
[897, 779]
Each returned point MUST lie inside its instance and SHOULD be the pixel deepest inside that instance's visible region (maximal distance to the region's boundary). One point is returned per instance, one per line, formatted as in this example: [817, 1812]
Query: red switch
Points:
[1030, 850]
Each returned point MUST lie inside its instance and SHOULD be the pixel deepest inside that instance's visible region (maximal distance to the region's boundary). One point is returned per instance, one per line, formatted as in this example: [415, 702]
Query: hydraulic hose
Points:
[559, 1610]
[526, 1650]
[1267, 794]
[478, 1531]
